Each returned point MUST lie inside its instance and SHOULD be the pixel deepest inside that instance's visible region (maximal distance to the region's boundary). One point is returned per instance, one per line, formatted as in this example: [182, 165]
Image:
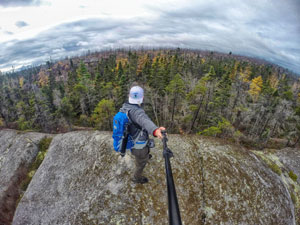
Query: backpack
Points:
[120, 123]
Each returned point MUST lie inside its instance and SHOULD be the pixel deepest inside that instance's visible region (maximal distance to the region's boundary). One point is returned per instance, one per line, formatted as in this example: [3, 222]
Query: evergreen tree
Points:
[103, 114]
[196, 98]
[176, 91]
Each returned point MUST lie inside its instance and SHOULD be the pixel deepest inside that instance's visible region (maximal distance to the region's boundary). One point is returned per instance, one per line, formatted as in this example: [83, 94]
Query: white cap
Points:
[136, 95]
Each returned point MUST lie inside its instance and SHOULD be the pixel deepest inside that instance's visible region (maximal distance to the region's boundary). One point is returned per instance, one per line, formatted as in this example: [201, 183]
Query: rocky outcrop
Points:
[17, 153]
[290, 158]
[83, 181]
[286, 164]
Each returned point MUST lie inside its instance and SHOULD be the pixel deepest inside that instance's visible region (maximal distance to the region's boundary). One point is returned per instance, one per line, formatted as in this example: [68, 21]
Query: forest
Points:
[244, 100]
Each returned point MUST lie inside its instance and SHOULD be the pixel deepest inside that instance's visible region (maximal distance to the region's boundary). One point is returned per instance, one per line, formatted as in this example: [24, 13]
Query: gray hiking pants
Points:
[141, 159]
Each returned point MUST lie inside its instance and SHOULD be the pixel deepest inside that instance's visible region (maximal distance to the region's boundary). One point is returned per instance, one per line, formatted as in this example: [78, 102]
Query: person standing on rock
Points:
[139, 129]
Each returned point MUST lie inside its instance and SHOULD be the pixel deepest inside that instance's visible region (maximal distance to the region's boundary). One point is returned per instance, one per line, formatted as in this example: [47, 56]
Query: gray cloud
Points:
[15, 3]
[21, 24]
[63, 40]
[264, 29]
[8, 32]
[251, 28]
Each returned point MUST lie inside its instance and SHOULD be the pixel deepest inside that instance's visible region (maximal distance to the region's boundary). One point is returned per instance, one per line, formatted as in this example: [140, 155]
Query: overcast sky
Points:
[32, 31]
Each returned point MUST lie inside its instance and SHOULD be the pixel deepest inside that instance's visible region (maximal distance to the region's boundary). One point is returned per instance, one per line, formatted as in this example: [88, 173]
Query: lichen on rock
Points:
[83, 181]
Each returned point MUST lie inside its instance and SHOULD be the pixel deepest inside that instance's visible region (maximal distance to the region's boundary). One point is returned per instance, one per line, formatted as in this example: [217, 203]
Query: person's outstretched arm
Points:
[141, 118]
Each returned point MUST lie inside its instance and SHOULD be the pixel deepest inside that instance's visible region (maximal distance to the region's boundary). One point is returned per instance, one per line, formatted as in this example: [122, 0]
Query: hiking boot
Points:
[140, 180]
[150, 156]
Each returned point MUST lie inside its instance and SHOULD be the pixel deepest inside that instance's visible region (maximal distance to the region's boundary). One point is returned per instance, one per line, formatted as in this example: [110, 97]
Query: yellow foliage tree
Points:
[255, 87]
[245, 75]
[123, 63]
[232, 74]
[43, 78]
[21, 82]
[273, 81]
[141, 63]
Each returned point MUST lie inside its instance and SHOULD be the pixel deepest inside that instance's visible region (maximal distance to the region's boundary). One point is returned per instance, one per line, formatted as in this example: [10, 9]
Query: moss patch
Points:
[274, 167]
[272, 161]
[43, 147]
[293, 176]
[294, 198]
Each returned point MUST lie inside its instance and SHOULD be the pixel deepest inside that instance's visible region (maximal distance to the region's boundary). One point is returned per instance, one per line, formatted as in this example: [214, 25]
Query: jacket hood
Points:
[127, 106]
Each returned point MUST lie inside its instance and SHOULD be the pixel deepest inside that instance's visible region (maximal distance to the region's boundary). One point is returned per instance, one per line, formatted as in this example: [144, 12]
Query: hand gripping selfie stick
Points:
[174, 213]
